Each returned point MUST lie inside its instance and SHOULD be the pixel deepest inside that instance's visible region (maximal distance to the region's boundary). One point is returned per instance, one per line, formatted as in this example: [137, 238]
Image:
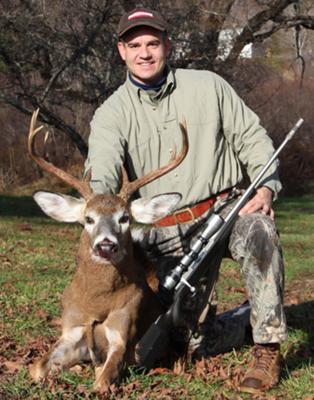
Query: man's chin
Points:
[148, 78]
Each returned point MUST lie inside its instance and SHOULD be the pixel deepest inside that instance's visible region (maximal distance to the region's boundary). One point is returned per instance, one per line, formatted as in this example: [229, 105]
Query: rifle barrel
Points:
[260, 175]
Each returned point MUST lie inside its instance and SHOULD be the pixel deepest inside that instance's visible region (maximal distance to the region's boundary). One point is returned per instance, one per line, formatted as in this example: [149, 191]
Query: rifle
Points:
[185, 276]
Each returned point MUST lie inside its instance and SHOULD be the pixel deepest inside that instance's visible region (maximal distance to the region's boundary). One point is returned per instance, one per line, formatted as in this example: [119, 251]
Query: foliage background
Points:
[61, 57]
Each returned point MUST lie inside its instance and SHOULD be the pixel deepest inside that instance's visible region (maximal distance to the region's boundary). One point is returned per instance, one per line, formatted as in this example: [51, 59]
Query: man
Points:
[138, 125]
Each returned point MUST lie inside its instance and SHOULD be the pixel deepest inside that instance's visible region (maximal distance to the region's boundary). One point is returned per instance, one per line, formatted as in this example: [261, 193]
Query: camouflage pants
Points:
[254, 244]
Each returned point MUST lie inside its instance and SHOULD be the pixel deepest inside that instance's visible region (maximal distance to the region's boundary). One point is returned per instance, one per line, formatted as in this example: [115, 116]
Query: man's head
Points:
[144, 44]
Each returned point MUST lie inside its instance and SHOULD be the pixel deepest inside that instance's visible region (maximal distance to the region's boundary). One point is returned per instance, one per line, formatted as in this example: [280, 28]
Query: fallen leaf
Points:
[13, 366]
[156, 383]
[41, 314]
[25, 227]
[81, 389]
[179, 367]
[222, 373]
[76, 369]
[56, 322]
[159, 371]
[294, 300]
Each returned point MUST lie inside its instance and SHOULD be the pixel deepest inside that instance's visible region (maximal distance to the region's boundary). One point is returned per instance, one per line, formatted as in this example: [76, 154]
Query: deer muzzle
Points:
[106, 249]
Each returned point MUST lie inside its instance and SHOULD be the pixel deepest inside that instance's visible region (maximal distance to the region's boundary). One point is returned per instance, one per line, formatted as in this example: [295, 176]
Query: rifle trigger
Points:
[192, 288]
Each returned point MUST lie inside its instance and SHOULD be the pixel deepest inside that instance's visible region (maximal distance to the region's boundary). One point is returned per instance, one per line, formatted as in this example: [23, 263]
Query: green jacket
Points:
[141, 129]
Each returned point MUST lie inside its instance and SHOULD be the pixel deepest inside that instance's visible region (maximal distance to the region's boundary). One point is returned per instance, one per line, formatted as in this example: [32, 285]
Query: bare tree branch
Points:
[254, 24]
[47, 116]
[306, 21]
[78, 52]
[61, 56]
[51, 67]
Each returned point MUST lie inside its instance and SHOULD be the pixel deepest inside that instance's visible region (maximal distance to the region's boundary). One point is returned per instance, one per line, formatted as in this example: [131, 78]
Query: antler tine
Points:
[128, 188]
[82, 187]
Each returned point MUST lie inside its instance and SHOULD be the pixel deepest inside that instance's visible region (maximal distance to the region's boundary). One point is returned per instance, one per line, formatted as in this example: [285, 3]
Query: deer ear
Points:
[149, 210]
[60, 206]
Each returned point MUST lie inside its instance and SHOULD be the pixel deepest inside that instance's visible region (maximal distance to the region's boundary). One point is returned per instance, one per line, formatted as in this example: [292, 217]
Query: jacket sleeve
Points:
[106, 150]
[247, 137]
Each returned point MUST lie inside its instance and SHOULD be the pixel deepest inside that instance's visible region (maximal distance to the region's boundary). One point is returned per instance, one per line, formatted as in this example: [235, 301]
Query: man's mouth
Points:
[146, 64]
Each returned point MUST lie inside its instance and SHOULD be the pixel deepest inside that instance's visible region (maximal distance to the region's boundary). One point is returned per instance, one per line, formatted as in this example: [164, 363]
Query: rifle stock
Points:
[154, 342]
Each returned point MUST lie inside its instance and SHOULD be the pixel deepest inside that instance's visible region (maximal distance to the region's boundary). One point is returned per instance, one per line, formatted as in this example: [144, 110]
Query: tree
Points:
[57, 56]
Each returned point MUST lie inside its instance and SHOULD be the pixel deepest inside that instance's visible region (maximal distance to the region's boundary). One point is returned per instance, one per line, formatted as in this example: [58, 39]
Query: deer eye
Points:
[124, 219]
[89, 220]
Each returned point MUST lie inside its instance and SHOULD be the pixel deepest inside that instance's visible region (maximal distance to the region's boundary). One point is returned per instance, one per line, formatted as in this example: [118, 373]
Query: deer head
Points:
[106, 218]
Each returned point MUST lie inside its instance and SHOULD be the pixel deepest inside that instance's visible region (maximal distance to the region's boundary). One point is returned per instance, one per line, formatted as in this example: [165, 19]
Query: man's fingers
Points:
[262, 201]
[250, 207]
[265, 209]
[272, 214]
[253, 205]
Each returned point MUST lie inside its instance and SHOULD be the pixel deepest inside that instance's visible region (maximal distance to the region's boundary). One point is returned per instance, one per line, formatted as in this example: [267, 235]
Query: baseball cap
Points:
[141, 17]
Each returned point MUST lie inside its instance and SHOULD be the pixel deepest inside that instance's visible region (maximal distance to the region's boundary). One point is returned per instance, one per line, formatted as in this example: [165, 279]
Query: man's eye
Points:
[89, 220]
[124, 219]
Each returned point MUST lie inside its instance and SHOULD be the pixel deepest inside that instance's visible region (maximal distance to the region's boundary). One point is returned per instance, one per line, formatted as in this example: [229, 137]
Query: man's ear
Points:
[167, 46]
[121, 49]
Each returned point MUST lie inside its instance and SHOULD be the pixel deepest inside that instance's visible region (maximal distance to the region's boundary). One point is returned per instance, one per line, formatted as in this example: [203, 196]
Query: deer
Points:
[109, 303]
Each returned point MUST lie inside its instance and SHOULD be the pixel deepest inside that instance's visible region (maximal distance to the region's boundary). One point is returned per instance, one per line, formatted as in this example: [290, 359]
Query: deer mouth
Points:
[106, 250]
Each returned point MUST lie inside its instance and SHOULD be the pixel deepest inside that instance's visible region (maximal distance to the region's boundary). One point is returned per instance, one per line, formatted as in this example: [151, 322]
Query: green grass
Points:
[37, 260]
[295, 220]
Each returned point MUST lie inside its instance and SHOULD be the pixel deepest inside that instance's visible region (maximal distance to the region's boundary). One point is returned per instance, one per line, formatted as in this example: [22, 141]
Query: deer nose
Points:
[106, 247]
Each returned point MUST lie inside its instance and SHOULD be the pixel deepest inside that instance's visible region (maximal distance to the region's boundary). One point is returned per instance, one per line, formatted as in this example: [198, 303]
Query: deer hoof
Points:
[101, 387]
[37, 372]
[102, 381]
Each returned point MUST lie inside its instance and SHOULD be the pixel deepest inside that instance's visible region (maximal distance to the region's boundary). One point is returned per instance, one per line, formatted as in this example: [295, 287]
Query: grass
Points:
[37, 260]
[295, 220]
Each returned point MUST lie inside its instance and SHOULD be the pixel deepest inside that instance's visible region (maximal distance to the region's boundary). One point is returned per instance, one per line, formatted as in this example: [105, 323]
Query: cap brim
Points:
[138, 23]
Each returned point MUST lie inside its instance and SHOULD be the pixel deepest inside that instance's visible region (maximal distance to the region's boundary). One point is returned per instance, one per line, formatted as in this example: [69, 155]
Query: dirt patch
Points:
[300, 290]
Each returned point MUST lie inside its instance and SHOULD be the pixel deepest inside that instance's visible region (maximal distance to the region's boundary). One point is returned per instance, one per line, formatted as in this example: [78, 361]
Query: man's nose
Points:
[144, 52]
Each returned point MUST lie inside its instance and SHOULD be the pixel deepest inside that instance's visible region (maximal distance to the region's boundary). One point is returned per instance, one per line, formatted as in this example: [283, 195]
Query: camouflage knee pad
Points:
[254, 244]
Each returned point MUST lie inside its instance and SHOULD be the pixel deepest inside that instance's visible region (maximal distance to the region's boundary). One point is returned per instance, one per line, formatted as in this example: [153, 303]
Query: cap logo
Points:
[140, 14]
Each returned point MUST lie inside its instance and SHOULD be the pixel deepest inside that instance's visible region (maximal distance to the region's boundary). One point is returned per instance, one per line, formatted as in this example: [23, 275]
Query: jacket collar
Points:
[151, 95]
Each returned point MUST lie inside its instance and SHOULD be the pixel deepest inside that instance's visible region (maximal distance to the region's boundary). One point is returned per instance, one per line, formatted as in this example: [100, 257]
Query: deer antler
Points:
[128, 188]
[82, 187]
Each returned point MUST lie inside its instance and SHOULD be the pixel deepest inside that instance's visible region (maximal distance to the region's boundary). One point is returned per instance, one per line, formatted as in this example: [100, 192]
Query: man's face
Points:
[145, 51]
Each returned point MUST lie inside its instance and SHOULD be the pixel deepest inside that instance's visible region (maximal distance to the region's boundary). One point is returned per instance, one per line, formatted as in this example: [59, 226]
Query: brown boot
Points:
[264, 372]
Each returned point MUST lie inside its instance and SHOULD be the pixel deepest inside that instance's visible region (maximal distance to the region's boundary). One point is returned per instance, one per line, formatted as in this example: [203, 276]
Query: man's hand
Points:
[262, 201]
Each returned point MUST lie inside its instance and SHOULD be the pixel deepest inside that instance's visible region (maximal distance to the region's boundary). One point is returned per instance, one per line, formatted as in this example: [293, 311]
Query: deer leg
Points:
[70, 349]
[114, 331]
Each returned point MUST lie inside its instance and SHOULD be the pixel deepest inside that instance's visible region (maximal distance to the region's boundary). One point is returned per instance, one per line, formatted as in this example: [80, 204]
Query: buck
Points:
[109, 304]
